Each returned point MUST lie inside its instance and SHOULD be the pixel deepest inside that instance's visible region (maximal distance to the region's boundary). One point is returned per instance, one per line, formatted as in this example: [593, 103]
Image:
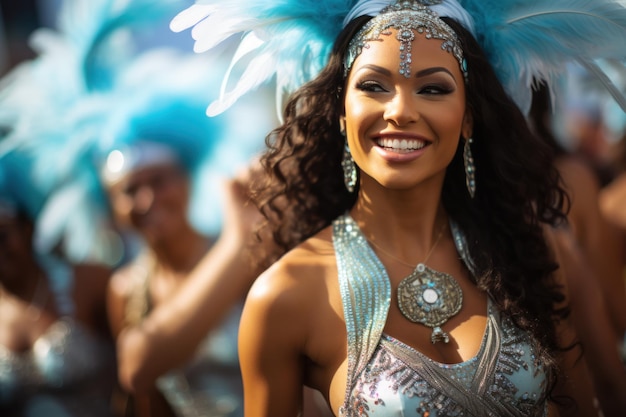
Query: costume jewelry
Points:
[470, 169]
[427, 296]
[406, 17]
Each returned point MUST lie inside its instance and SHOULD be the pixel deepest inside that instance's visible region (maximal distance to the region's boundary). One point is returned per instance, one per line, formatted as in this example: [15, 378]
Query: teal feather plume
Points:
[286, 40]
[530, 40]
[526, 40]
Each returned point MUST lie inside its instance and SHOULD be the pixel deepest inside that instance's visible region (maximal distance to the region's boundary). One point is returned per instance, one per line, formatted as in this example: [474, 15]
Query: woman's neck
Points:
[405, 223]
[181, 254]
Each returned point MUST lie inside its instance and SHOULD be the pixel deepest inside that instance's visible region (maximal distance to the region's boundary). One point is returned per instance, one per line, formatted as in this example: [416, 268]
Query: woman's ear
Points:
[342, 125]
[468, 125]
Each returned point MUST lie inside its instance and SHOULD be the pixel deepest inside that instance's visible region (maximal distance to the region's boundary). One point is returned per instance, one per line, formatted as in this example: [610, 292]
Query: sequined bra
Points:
[387, 377]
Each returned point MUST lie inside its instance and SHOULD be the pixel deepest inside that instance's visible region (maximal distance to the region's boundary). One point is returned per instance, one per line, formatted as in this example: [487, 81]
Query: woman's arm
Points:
[170, 334]
[599, 243]
[272, 340]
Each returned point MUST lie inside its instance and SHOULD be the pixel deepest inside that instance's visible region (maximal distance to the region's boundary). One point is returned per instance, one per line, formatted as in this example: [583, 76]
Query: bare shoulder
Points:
[298, 283]
[302, 271]
[123, 281]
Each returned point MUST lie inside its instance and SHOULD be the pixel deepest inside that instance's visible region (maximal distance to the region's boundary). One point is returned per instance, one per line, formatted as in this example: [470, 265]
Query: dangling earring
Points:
[349, 169]
[470, 169]
[347, 164]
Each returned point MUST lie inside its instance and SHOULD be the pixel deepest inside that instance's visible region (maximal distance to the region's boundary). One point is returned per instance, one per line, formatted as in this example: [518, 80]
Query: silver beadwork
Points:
[470, 168]
[365, 294]
[349, 169]
[406, 17]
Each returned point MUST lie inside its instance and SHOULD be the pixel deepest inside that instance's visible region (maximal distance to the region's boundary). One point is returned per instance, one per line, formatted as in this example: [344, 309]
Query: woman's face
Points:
[152, 200]
[404, 131]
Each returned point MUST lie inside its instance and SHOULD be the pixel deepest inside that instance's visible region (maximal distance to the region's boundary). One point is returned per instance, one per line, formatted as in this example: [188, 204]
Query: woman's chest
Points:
[504, 378]
[65, 354]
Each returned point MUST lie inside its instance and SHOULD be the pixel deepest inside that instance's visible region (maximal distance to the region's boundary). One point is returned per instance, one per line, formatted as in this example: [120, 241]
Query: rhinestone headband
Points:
[406, 17]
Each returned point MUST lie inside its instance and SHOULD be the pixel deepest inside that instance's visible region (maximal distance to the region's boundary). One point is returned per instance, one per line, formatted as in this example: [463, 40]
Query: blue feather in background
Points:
[529, 40]
[94, 87]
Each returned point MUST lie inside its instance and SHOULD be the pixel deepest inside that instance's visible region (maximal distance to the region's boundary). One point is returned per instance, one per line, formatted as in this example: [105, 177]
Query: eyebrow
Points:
[428, 71]
[421, 73]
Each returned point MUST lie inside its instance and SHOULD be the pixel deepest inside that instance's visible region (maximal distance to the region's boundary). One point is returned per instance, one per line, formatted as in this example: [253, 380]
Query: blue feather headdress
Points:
[90, 91]
[526, 40]
[288, 40]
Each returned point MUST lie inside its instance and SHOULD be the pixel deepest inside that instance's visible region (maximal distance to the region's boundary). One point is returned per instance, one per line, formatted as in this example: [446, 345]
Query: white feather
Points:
[191, 16]
[260, 69]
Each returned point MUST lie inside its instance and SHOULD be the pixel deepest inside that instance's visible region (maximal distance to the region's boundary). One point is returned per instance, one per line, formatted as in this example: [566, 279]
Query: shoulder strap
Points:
[366, 296]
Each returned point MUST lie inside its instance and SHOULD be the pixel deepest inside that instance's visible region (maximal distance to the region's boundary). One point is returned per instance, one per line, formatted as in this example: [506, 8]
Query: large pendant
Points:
[430, 297]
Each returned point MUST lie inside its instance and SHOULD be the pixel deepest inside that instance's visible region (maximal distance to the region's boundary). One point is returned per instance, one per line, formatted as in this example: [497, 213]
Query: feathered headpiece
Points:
[526, 40]
[90, 92]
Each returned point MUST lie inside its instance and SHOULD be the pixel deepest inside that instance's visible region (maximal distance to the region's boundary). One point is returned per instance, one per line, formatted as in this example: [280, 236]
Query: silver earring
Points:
[470, 169]
[349, 169]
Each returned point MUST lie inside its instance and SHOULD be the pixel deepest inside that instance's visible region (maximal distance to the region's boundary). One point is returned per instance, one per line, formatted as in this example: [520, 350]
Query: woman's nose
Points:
[402, 109]
[144, 198]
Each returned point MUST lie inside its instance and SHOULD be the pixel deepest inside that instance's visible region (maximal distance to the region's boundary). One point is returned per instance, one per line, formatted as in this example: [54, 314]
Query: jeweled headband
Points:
[406, 17]
[289, 42]
[121, 162]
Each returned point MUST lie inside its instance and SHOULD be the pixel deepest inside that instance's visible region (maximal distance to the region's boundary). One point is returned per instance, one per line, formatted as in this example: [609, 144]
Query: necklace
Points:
[427, 296]
[384, 252]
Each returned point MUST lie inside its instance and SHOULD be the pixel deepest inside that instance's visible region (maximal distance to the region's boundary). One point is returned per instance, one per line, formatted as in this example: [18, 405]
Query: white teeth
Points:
[401, 144]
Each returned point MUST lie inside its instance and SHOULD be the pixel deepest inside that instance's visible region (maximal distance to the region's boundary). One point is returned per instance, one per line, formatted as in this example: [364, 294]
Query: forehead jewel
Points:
[406, 17]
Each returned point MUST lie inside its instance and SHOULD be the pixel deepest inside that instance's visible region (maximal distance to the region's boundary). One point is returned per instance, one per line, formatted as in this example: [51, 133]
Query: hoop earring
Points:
[349, 169]
[470, 169]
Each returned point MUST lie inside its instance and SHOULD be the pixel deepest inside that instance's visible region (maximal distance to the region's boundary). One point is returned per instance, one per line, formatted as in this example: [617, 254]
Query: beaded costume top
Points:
[387, 377]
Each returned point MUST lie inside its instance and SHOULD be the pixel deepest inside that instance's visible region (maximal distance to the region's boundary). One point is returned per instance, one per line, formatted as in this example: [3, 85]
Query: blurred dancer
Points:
[175, 308]
[56, 353]
[137, 148]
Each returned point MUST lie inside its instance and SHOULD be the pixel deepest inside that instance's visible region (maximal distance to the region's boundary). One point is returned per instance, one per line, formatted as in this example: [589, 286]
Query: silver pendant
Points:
[430, 297]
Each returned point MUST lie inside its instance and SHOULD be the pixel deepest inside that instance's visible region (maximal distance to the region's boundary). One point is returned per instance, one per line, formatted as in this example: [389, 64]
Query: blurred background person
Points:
[116, 130]
[155, 146]
[591, 254]
[56, 352]
[586, 111]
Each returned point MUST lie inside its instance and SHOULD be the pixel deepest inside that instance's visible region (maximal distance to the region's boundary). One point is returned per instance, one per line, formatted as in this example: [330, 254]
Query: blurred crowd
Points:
[126, 231]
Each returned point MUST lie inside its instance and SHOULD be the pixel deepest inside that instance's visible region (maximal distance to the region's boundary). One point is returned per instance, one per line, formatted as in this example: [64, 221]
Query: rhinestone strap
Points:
[366, 294]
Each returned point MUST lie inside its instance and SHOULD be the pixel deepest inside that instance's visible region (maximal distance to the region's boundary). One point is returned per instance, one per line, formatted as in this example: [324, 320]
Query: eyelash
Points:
[370, 86]
[429, 89]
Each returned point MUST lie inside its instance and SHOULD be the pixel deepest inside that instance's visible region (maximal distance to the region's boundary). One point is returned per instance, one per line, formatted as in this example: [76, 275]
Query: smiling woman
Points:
[404, 226]
[416, 272]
